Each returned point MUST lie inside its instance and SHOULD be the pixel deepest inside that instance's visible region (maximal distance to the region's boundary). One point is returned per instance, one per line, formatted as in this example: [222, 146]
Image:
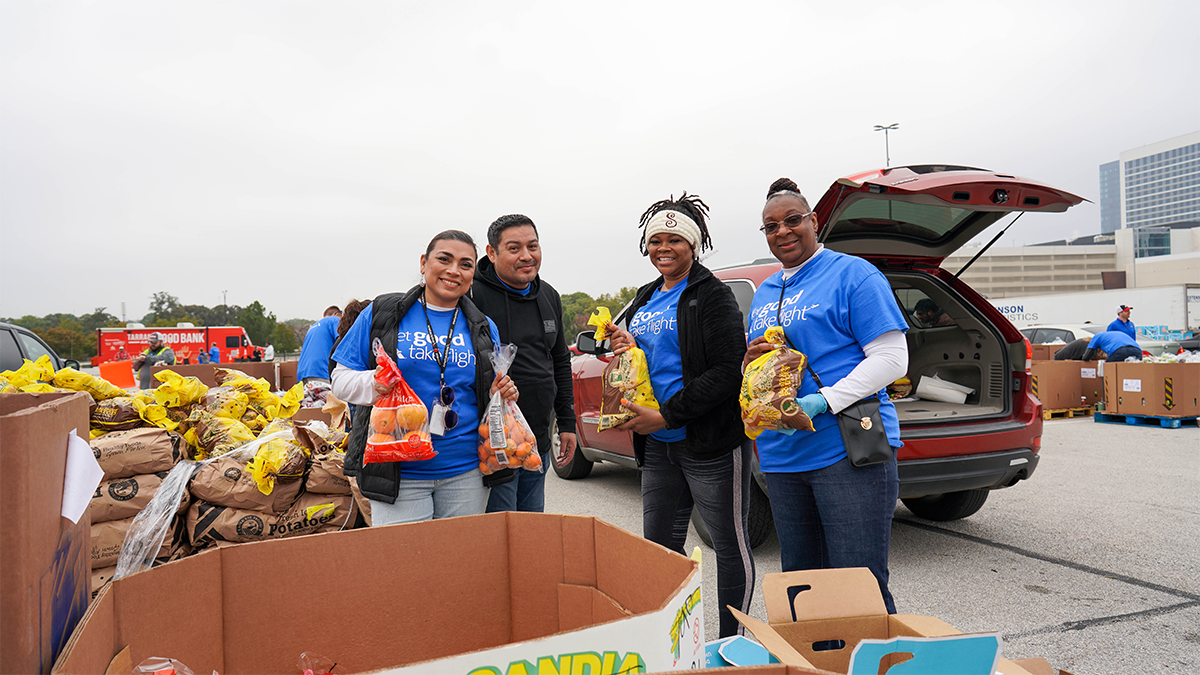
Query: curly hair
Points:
[691, 206]
[786, 187]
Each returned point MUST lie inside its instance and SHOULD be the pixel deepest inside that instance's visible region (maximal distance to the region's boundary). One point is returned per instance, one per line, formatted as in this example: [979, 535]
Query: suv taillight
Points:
[1028, 356]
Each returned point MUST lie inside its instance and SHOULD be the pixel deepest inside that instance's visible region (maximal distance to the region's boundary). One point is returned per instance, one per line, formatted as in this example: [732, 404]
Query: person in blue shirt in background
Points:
[1122, 322]
[1117, 344]
[318, 344]
[214, 354]
[840, 312]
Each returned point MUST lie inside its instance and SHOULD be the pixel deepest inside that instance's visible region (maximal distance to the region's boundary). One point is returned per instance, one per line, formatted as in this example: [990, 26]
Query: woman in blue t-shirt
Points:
[442, 344]
[840, 312]
[693, 449]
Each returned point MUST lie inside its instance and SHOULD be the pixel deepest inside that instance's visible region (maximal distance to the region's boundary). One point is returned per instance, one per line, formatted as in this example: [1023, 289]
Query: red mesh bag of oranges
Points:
[507, 442]
[399, 420]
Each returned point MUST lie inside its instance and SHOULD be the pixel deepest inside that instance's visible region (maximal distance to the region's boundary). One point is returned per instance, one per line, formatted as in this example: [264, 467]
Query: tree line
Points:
[74, 337]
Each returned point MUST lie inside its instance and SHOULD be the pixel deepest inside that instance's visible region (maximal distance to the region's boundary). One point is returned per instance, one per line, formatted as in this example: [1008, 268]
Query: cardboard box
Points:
[287, 374]
[45, 584]
[819, 608]
[313, 414]
[458, 595]
[1091, 381]
[1057, 384]
[1154, 389]
[1045, 352]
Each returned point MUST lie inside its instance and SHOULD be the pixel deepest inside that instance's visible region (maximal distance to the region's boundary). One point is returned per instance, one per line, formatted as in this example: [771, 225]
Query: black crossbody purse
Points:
[861, 425]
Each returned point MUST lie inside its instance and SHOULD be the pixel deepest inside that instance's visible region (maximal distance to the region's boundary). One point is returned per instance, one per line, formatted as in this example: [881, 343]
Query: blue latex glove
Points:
[813, 404]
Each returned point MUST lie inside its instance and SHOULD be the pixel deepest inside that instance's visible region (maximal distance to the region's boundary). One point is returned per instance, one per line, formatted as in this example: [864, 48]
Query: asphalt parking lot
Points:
[1094, 563]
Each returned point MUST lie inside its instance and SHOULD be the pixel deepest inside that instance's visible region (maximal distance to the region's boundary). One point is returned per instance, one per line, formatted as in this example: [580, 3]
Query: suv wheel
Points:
[949, 506]
[761, 522]
[578, 467]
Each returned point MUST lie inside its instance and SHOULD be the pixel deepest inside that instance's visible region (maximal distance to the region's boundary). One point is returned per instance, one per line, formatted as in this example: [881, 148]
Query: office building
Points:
[1150, 189]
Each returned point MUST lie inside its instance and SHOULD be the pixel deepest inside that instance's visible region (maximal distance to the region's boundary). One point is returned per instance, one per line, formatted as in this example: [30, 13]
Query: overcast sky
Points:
[302, 153]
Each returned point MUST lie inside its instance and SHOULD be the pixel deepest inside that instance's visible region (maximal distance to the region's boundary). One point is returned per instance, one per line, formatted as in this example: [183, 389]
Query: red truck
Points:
[186, 340]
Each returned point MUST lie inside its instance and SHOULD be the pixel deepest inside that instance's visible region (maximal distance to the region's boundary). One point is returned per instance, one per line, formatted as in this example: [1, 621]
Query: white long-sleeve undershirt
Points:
[886, 361]
[356, 387]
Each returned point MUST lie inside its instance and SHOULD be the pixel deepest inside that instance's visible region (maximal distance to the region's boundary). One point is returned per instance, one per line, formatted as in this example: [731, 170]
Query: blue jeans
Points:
[1121, 353]
[673, 480]
[526, 492]
[838, 516]
[461, 495]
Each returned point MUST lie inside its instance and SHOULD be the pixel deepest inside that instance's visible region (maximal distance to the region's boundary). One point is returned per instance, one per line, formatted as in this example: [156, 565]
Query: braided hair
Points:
[786, 186]
[691, 206]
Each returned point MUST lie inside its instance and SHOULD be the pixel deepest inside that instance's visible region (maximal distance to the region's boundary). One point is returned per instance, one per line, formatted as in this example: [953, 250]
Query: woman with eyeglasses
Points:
[441, 343]
[840, 312]
[692, 450]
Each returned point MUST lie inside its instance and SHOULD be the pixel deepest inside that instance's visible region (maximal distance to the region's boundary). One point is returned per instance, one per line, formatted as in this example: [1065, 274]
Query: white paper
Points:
[1131, 385]
[83, 474]
[1087, 373]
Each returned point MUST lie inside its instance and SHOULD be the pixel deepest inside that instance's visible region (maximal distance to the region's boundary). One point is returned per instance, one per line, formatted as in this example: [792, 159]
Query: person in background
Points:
[442, 344]
[527, 312]
[840, 312]
[349, 316]
[693, 451]
[122, 355]
[269, 353]
[1123, 323]
[929, 313]
[318, 343]
[1074, 350]
[214, 354]
[202, 357]
[157, 352]
[1116, 343]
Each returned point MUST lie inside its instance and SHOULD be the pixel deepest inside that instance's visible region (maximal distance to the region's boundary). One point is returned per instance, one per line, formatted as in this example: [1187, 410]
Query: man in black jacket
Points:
[528, 313]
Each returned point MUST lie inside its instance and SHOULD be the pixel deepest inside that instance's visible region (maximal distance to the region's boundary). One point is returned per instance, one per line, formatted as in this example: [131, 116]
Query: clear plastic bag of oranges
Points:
[399, 420]
[506, 439]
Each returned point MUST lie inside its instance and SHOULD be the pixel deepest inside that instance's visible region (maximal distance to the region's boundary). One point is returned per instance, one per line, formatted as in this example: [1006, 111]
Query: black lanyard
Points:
[441, 359]
[779, 322]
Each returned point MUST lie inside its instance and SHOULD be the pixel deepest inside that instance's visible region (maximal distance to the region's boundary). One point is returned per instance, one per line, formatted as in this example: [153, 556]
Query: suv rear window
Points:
[892, 218]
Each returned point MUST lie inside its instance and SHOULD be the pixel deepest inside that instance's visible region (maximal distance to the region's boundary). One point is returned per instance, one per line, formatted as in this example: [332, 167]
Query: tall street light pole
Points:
[886, 149]
[225, 305]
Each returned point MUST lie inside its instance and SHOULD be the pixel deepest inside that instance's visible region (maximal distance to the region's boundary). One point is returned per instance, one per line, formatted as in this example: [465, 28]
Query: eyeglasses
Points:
[446, 397]
[793, 222]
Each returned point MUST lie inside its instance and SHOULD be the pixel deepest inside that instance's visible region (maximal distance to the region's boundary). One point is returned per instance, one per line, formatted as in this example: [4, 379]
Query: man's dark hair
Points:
[453, 235]
[927, 305]
[502, 223]
[691, 206]
[332, 310]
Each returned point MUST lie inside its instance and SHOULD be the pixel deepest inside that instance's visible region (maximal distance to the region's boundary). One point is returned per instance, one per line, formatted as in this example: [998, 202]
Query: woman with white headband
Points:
[693, 450]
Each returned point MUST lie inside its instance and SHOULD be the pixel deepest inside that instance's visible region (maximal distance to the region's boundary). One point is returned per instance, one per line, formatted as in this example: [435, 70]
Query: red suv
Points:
[905, 220]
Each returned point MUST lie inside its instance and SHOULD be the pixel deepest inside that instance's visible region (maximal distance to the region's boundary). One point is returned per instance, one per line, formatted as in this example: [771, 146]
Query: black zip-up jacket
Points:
[712, 343]
[381, 482]
[542, 369]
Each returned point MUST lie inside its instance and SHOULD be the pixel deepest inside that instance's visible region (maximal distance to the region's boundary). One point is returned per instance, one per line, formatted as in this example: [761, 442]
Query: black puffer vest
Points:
[381, 482]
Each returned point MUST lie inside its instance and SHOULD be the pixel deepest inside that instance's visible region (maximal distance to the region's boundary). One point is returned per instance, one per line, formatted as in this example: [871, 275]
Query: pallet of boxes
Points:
[1162, 393]
[189, 467]
[1065, 388]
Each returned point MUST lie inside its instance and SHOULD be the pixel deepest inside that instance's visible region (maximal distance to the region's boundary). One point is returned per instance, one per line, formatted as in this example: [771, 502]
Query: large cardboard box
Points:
[460, 595]
[1155, 389]
[817, 617]
[287, 374]
[44, 587]
[1056, 384]
[1045, 352]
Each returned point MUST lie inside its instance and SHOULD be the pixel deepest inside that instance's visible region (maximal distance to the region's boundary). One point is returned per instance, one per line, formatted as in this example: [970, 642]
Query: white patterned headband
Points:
[673, 222]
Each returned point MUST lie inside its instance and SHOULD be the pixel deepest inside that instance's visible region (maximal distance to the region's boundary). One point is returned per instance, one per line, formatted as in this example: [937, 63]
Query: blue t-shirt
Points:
[832, 306]
[214, 356]
[1126, 327]
[457, 448]
[1111, 341]
[656, 332]
[314, 354]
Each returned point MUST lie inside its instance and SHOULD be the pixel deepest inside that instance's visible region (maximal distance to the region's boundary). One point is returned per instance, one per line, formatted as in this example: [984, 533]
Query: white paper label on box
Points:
[82, 476]
[1131, 385]
[1087, 373]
